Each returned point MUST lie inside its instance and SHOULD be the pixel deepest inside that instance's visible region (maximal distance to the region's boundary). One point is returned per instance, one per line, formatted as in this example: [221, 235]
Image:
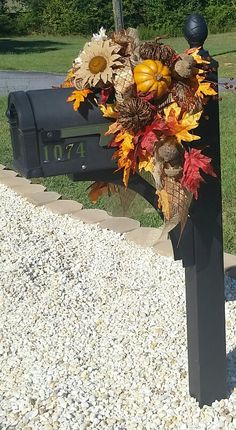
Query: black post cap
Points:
[195, 30]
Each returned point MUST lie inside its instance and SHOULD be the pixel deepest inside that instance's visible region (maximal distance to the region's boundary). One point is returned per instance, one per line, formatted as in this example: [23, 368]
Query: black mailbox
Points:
[49, 138]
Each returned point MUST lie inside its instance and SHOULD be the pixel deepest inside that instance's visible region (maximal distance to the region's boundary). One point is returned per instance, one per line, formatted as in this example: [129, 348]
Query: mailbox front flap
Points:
[52, 112]
[19, 111]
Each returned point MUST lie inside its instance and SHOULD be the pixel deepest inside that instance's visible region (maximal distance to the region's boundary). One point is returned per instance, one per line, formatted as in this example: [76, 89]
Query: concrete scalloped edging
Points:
[142, 236]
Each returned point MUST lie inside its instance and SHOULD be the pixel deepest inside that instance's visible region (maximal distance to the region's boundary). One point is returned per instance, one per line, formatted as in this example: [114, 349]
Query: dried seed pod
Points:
[157, 51]
[123, 80]
[134, 114]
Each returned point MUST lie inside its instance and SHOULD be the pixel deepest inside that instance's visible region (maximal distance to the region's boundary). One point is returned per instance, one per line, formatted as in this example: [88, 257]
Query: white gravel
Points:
[93, 330]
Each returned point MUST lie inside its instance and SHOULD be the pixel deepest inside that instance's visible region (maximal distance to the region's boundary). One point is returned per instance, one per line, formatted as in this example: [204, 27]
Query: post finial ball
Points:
[195, 30]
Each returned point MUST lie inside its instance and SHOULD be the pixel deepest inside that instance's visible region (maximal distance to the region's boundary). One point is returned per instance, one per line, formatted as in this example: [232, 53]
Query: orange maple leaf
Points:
[202, 87]
[68, 82]
[97, 189]
[108, 110]
[78, 96]
[125, 154]
[180, 124]
[113, 128]
[145, 161]
[163, 203]
[198, 58]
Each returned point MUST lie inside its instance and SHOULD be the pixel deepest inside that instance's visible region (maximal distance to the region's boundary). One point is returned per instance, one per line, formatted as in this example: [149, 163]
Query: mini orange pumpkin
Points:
[152, 75]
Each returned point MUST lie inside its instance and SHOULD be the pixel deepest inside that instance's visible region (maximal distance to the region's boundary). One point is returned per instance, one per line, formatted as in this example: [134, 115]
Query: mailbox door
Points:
[70, 141]
[49, 138]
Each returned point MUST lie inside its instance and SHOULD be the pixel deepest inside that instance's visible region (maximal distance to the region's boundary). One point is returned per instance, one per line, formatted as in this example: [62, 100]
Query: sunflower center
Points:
[97, 64]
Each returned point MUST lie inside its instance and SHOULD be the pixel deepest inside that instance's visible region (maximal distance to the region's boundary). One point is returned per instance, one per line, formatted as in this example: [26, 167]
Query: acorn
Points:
[188, 58]
[168, 151]
[184, 68]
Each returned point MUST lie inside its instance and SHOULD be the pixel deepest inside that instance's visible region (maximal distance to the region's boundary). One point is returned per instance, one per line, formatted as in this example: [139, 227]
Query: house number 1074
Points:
[64, 153]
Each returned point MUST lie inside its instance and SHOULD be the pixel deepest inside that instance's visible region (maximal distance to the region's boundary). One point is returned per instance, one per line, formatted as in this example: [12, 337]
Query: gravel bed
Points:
[93, 330]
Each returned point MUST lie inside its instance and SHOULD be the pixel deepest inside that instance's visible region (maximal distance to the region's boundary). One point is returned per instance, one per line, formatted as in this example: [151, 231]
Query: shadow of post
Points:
[230, 296]
[230, 288]
[231, 371]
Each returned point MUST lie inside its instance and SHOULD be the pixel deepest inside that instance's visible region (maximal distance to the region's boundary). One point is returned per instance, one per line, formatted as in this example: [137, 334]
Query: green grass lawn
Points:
[228, 164]
[55, 53]
[140, 209]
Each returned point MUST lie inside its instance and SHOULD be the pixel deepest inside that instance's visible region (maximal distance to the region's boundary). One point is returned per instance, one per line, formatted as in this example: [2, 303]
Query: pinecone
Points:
[157, 51]
[167, 55]
[134, 114]
[185, 98]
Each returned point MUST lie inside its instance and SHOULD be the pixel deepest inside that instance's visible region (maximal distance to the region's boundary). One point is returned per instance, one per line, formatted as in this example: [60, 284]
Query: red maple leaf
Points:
[105, 94]
[150, 134]
[194, 161]
[148, 96]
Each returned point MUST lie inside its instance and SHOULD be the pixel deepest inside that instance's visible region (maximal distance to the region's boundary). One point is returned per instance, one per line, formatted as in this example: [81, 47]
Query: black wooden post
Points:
[205, 278]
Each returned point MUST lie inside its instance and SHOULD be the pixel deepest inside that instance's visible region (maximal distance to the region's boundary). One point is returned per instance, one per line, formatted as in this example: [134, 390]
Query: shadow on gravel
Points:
[231, 371]
[230, 288]
[230, 296]
[13, 46]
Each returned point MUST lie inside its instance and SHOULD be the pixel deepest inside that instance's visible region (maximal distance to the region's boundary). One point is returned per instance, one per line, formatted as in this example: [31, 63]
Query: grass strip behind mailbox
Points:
[50, 138]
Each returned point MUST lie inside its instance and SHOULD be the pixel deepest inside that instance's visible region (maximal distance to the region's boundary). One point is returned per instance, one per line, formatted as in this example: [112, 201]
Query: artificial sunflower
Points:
[98, 60]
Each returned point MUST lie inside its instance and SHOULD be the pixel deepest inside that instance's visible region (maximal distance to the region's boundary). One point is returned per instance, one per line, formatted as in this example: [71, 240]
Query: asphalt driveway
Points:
[23, 81]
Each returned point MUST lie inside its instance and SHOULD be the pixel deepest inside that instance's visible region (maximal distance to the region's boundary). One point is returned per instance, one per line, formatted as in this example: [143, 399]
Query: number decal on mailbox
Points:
[81, 150]
[46, 156]
[57, 152]
[64, 152]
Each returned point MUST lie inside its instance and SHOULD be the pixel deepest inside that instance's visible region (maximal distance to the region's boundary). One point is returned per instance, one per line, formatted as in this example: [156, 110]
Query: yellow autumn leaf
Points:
[126, 140]
[204, 88]
[108, 110]
[198, 59]
[68, 82]
[163, 203]
[126, 147]
[180, 126]
[77, 97]
[146, 164]
[126, 176]
[113, 128]
[172, 106]
[97, 189]
[187, 123]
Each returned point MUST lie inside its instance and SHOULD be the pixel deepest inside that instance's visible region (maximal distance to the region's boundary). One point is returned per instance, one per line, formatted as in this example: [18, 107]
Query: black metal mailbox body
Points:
[49, 138]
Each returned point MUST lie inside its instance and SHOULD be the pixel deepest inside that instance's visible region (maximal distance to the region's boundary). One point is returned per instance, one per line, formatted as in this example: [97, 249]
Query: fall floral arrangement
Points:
[155, 99]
